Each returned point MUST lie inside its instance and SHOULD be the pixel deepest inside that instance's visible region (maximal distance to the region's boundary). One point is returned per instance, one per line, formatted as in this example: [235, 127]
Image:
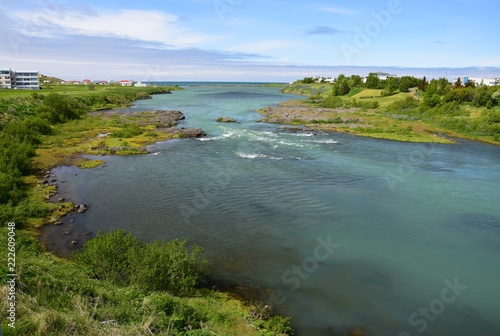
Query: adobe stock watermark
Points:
[364, 36]
[294, 276]
[12, 274]
[223, 7]
[204, 196]
[47, 10]
[155, 73]
[425, 315]
[408, 165]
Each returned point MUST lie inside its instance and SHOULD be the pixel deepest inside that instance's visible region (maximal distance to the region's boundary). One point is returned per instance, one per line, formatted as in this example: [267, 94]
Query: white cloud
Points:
[337, 10]
[142, 25]
[258, 47]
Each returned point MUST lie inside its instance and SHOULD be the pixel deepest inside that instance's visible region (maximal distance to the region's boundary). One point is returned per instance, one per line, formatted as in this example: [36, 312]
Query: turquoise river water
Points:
[399, 238]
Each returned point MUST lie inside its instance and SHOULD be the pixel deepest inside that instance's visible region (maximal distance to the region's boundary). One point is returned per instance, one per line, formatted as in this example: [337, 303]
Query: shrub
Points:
[432, 100]
[332, 102]
[107, 256]
[129, 131]
[409, 103]
[168, 266]
[120, 258]
[58, 109]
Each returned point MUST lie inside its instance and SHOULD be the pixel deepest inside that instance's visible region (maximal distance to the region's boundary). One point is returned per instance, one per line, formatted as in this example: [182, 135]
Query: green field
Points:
[462, 112]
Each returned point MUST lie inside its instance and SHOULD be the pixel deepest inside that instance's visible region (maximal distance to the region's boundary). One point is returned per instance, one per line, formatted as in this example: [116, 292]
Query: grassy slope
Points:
[60, 89]
[379, 123]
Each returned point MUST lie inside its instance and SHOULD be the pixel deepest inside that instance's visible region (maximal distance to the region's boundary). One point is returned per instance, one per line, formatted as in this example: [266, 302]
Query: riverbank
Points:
[428, 112]
[97, 134]
[363, 122]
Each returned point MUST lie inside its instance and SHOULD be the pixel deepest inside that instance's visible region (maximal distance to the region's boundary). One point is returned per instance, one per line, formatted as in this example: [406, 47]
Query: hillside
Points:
[406, 110]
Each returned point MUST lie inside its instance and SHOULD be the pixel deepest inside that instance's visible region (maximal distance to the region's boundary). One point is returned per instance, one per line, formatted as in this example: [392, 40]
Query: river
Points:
[399, 238]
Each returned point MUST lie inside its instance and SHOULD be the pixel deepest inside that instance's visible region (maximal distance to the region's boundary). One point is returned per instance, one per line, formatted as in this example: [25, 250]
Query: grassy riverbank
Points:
[71, 297]
[431, 112]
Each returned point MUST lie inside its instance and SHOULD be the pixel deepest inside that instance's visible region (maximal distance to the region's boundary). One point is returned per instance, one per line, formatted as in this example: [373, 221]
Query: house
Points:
[385, 75]
[127, 82]
[6, 79]
[140, 84]
[86, 81]
[482, 81]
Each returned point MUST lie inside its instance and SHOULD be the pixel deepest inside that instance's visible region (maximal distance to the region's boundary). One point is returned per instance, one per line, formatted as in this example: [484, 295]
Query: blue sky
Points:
[249, 40]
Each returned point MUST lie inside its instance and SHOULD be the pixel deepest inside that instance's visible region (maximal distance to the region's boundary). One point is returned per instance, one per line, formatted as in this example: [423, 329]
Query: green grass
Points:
[70, 90]
[371, 95]
[60, 297]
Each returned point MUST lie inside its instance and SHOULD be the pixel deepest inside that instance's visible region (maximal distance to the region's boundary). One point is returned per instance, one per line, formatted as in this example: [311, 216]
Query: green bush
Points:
[129, 131]
[407, 104]
[120, 258]
[332, 102]
[57, 108]
[107, 256]
[168, 266]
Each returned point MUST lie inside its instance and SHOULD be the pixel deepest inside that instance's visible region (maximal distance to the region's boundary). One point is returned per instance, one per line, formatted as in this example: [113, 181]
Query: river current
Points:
[399, 238]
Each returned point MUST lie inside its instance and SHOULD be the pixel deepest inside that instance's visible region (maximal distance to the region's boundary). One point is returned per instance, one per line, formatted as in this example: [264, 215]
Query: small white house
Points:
[127, 82]
[385, 75]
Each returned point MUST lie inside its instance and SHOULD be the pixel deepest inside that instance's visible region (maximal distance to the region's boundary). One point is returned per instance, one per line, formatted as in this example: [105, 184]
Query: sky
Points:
[249, 40]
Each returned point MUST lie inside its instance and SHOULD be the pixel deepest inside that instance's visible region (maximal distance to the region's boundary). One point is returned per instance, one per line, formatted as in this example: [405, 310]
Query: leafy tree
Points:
[458, 83]
[372, 81]
[341, 87]
[58, 109]
[461, 95]
[482, 97]
[406, 83]
[391, 85]
[422, 86]
[470, 84]
[432, 100]
[307, 80]
[496, 97]
[356, 81]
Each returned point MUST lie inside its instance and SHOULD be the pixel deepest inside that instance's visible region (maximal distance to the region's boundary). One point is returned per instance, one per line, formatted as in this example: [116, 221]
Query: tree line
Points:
[434, 92]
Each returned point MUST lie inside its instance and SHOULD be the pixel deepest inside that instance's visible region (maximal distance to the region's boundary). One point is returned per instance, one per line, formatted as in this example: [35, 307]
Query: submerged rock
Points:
[81, 208]
[290, 129]
[226, 120]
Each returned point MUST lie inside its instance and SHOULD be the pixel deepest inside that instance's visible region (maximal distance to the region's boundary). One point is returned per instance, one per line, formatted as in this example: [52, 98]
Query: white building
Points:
[482, 81]
[6, 79]
[385, 75]
[27, 80]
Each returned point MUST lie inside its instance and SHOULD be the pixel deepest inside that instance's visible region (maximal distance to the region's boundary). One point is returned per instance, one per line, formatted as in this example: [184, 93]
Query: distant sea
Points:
[202, 84]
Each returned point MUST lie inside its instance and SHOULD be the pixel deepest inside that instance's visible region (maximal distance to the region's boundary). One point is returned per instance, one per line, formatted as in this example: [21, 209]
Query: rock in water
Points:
[81, 208]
